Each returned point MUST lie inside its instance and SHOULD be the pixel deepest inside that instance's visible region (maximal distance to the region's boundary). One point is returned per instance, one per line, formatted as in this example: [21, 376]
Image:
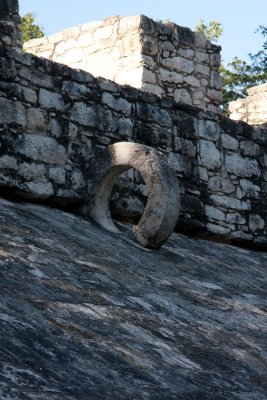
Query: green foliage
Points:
[29, 29]
[240, 75]
[212, 31]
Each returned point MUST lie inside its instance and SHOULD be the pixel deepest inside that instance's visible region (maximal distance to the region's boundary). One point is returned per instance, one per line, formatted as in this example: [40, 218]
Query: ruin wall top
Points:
[164, 59]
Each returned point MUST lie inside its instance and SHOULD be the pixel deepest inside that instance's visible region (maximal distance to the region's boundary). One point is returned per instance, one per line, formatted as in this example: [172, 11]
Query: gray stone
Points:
[181, 164]
[249, 148]
[219, 184]
[235, 218]
[230, 202]
[58, 175]
[12, 112]
[31, 171]
[214, 213]
[36, 120]
[41, 148]
[117, 103]
[51, 100]
[39, 190]
[250, 189]
[255, 222]
[8, 162]
[209, 156]
[240, 166]
[229, 142]
[218, 229]
[163, 205]
[207, 129]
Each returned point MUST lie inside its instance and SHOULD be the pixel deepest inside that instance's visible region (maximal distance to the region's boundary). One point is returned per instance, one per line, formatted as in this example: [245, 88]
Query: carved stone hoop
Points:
[163, 204]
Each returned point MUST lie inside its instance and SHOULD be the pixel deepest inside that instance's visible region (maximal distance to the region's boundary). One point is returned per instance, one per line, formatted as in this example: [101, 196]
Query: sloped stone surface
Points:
[87, 314]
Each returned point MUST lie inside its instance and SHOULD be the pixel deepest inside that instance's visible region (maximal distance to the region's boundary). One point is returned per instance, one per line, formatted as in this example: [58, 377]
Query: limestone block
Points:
[235, 218]
[209, 156]
[215, 95]
[58, 175]
[217, 229]
[36, 120]
[230, 202]
[179, 64]
[240, 166]
[51, 100]
[8, 162]
[214, 213]
[202, 57]
[201, 173]
[77, 180]
[32, 171]
[229, 142]
[249, 188]
[85, 39]
[71, 56]
[62, 47]
[207, 129]
[153, 114]
[149, 76]
[40, 190]
[255, 222]
[170, 76]
[219, 184]
[117, 103]
[192, 81]
[180, 163]
[152, 88]
[42, 148]
[150, 46]
[202, 69]
[182, 96]
[249, 148]
[12, 112]
[200, 40]
[216, 80]
[84, 114]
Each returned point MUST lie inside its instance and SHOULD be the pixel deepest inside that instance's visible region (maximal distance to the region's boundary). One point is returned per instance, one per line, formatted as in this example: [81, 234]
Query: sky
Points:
[239, 18]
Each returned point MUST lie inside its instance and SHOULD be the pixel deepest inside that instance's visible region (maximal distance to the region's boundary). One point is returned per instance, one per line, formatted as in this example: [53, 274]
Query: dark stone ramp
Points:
[86, 314]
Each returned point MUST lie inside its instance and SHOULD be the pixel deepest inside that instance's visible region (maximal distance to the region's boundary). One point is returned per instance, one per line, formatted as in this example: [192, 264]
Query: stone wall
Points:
[167, 60]
[252, 109]
[10, 34]
[53, 119]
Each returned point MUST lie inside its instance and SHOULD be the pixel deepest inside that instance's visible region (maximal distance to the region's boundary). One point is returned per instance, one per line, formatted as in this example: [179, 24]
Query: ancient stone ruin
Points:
[54, 120]
[164, 59]
[252, 109]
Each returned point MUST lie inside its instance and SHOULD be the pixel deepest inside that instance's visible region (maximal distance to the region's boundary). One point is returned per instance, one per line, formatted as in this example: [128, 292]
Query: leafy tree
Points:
[240, 75]
[29, 29]
[212, 31]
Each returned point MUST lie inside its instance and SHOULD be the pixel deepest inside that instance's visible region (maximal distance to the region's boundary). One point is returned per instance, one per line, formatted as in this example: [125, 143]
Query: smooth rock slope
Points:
[86, 314]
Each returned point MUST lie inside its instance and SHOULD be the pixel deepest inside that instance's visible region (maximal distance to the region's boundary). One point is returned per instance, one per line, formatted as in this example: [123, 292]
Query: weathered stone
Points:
[230, 202]
[41, 148]
[32, 171]
[219, 184]
[209, 156]
[207, 129]
[58, 175]
[235, 218]
[255, 222]
[243, 167]
[162, 207]
[8, 162]
[180, 163]
[214, 213]
[229, 142]
[249, 189]
[12, 112]
[249, 148]
[39, 190]
[36, 120]
[51, 100]
[117, 103]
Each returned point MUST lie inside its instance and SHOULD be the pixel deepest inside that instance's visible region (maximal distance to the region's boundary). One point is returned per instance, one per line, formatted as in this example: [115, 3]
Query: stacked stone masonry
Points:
[164, 59]
[252, 109]
[54, 120]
